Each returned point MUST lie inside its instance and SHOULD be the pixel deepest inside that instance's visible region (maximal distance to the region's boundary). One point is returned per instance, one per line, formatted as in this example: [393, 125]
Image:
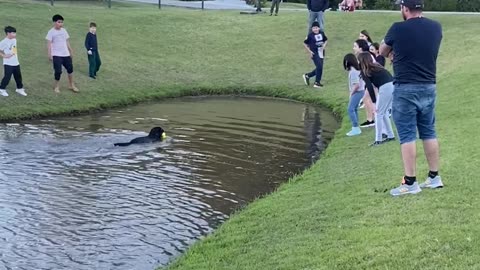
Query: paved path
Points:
[241, 5]
[214, 4]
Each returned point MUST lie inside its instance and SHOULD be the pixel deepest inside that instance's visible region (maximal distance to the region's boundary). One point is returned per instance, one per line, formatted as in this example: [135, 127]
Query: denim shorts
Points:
[413, 108]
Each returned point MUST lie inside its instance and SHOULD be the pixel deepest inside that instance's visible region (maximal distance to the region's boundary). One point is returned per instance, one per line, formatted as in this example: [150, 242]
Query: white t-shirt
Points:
[59, 42]
[9, 46]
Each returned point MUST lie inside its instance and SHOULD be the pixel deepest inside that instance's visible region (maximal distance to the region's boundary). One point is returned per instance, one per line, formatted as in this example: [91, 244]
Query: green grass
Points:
[330, 217]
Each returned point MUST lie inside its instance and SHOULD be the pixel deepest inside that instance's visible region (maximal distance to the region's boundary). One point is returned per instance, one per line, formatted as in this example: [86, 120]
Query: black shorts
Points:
[59, 61]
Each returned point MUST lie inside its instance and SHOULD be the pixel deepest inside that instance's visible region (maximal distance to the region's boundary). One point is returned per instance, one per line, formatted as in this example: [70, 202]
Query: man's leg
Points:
[427, 132]
[277, 7]
[311, 18]
[432, 152]
[320, 20]
[409, 155]
[405, 104]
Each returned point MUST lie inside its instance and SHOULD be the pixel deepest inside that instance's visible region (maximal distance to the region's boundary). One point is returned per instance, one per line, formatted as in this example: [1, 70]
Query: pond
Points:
[69, 199]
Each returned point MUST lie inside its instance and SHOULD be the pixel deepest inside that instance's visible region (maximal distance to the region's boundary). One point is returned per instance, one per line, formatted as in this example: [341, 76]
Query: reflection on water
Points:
[69, 199]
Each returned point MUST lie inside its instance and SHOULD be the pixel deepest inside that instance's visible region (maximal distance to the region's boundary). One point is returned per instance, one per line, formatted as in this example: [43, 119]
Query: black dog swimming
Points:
[157, 134]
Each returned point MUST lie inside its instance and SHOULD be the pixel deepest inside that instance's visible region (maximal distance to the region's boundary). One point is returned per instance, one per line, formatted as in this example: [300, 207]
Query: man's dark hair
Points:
[350, 61]
[57, 17]
[10, 29]
[92, 24]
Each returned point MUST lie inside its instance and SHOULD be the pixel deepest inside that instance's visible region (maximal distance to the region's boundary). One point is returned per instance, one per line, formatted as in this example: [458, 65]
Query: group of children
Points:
[368, 81]
[59, 53]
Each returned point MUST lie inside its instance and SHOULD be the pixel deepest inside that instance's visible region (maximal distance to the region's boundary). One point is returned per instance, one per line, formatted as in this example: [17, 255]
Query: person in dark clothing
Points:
[415, 43]
[374, 49]
[91, 45]
[315, 44]
[316, 9]
[377, 76]
[276, 5]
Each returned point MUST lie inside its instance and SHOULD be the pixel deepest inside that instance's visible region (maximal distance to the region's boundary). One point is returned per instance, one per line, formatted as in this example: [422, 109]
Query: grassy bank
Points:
[331, 217]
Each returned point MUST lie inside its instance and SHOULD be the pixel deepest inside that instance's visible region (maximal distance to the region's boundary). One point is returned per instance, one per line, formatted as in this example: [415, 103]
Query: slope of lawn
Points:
[333, 216]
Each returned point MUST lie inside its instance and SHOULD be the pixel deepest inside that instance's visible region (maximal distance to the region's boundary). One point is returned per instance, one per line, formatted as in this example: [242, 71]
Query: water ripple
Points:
[69, 199]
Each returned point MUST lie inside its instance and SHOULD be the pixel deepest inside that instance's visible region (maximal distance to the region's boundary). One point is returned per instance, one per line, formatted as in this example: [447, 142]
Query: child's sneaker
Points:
[21, 92]
[306, 79]
[368, 124]
[405, 189]
[432, 182]
[317, 85]
[3, 92]
[354, 132]
[376, 143]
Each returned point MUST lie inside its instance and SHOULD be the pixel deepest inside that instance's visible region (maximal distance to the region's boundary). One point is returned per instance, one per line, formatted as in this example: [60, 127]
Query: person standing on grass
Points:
[365, 36]
[369, 98]
[91, 45]
[316, 9]
[415, 43]
[60, 52]
[375, 49]
[11, 66]
[315, 44]
[276, 5]
[375, 75]
[357, 88]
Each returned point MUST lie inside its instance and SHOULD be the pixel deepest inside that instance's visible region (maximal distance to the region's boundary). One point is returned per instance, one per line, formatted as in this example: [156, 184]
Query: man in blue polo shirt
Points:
[415, 43]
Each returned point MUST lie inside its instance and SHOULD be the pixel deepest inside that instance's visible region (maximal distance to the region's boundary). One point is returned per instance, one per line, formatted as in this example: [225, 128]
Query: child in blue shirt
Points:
[315, 44]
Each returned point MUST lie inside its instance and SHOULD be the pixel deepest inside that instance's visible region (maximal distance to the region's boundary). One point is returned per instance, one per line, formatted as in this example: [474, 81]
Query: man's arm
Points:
[309, 4]
[385, 49]
[387, 43]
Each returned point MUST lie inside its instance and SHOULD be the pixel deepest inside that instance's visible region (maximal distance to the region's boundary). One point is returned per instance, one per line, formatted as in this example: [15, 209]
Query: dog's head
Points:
[157, 133]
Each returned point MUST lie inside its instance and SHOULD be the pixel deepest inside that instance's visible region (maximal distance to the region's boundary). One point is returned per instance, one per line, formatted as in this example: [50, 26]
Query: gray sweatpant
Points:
[276, 5]
[382, 120]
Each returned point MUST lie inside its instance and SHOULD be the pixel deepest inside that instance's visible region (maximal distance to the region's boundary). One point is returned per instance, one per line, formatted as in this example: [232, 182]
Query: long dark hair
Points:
[363, 44]
[367, 65]
[365, 33]
[349, 61]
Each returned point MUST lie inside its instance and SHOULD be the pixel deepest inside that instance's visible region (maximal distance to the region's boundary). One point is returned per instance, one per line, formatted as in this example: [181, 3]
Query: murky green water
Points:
[69, 199]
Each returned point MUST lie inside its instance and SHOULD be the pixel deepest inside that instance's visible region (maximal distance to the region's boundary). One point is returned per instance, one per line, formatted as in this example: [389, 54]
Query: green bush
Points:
[384, 4]
[468, 5]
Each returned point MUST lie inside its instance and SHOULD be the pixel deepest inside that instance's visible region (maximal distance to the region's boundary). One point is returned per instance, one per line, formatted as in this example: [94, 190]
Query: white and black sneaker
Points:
[317, 85]
[367, 124]
[306, 79]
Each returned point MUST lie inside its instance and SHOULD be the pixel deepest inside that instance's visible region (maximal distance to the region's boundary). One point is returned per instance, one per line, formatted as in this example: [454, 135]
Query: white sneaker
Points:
[3, 92]
[432, 182]
[21, 92]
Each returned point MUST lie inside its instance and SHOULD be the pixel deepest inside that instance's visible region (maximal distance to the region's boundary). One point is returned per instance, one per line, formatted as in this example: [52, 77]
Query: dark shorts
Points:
[413, 109]
[59, 61]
